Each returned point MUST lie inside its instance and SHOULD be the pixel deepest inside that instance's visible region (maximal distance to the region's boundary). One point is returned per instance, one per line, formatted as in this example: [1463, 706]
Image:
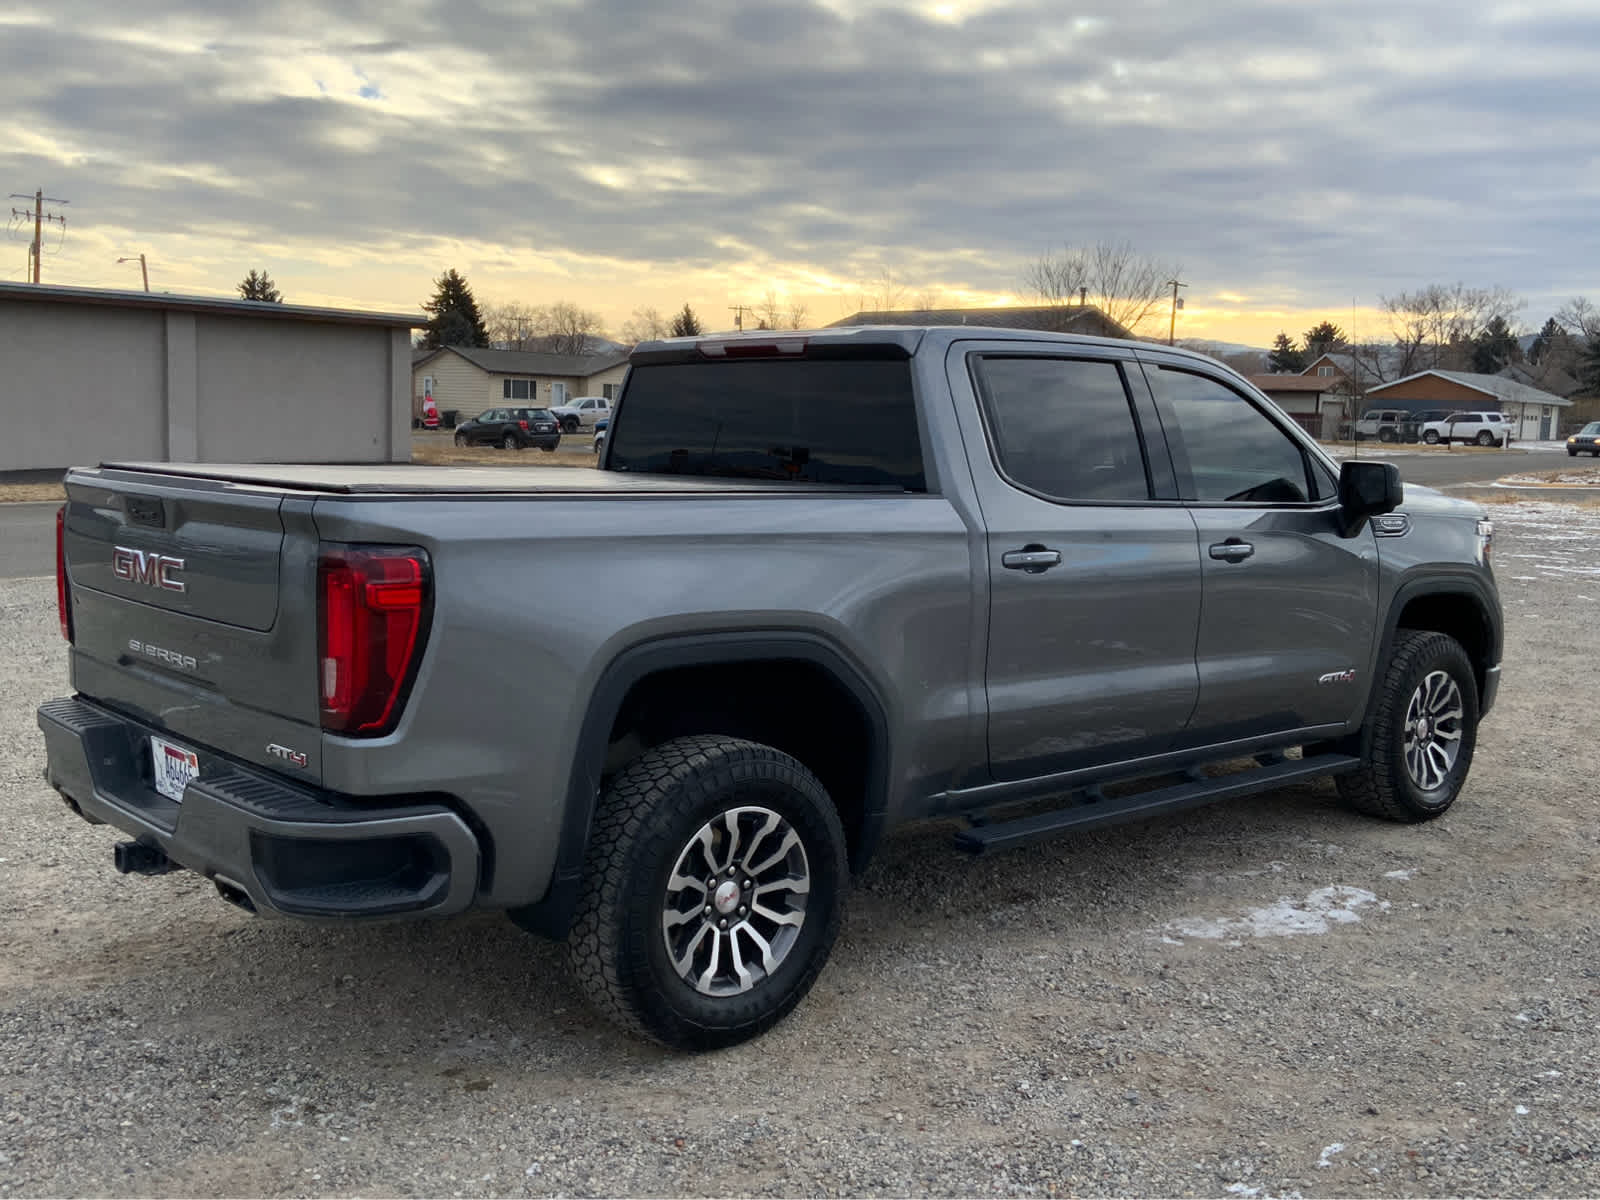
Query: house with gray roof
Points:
[1535, 412]
[467, 380]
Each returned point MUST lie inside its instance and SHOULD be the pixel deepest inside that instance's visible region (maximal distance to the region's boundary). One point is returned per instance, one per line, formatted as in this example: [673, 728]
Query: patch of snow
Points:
[1407, 873]
[1522, 1110]
[1239, 1189]
[1326, 1158]
[1319, 912]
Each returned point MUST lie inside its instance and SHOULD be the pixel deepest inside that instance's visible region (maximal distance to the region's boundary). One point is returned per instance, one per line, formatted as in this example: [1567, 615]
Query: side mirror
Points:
[1367, 489]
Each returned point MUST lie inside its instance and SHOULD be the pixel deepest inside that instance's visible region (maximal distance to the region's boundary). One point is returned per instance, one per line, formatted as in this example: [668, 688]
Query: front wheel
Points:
[712, 892]
[1417, 747]
[461, 439]
[1574, 454]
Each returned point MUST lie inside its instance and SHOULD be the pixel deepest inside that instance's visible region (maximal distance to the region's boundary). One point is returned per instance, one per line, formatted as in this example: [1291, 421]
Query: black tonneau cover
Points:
[407, 479]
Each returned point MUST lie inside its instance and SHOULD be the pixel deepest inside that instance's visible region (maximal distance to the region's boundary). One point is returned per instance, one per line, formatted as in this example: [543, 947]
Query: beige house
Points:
[466, 380]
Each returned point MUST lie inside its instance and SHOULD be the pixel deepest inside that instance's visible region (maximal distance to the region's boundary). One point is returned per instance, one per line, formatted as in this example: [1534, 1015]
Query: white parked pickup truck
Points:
[581, 410]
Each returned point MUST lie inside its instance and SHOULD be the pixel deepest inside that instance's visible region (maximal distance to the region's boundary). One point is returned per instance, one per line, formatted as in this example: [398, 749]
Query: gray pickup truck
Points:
[829, 583]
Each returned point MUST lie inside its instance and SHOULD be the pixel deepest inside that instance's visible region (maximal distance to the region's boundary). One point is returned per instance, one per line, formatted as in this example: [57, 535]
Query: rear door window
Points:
[1063, 428]
[844, 421]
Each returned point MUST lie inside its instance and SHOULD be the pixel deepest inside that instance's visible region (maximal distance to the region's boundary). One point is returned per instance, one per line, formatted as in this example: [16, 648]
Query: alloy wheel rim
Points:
[1433, 726]
[735, 902]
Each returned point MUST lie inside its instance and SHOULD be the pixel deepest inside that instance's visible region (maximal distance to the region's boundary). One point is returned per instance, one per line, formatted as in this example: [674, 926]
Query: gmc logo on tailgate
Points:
[147, 567]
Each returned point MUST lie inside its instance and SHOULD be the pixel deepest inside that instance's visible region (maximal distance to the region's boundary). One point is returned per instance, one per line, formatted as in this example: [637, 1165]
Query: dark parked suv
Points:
[513, 428]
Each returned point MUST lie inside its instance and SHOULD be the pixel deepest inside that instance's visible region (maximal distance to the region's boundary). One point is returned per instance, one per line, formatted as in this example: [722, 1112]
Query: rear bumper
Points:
[272, 846]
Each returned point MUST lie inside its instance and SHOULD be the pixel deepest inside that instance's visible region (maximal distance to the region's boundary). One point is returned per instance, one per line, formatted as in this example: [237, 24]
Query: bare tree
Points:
[882, 293]
[796, 316]
[646, 325]
[1433, 327]
[1127, 286]
[769, 310]
[567, 329]
[1579, 317]
[928, 299]
[511, 326]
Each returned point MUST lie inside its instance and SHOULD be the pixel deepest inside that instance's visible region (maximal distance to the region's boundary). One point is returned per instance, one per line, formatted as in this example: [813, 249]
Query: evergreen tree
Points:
[258, 285]
[1551, 336]
[1322, 338]
[686, 324]
[1495, 346]
[1285, 359]
[453, 316]
[1589, 367]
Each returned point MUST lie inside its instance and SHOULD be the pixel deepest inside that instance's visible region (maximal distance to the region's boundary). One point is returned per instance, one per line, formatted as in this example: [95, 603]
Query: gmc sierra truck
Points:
[828, 583]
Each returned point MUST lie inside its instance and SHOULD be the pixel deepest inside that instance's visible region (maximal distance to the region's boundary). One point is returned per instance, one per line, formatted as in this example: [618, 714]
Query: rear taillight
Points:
[63, 586]
[524, 424]
[373, 604]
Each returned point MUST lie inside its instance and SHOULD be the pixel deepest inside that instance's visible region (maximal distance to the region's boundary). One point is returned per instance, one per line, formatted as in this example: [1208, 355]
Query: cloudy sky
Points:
[1299, 160]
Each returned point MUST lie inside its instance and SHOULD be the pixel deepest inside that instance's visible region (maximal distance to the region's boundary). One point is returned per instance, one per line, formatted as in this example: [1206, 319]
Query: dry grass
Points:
[1531, 496]
[11, 492]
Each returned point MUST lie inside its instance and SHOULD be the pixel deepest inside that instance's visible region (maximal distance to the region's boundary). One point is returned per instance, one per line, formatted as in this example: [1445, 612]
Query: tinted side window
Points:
[806, 420]
[1063, 427]
[1227, 449]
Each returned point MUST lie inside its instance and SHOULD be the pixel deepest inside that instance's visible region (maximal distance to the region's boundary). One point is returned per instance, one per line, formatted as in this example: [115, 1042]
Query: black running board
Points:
[1097, 811]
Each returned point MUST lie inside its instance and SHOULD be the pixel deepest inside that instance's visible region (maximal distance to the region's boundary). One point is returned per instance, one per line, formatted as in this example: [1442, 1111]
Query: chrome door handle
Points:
[1032, 559]
[1232, 550]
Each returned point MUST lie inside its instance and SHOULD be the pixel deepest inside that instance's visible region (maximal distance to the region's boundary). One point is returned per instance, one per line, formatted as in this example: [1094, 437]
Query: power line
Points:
[40, 220]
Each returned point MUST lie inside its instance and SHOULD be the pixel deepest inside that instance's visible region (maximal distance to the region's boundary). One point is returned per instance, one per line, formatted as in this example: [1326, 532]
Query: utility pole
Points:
[738, 311]
[143, 269]
[40, 219]
[1172, 326]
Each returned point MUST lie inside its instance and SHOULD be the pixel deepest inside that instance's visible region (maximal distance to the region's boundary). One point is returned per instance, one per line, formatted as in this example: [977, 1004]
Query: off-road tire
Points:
[1388, 435]
[1382, 786]
[616, 949]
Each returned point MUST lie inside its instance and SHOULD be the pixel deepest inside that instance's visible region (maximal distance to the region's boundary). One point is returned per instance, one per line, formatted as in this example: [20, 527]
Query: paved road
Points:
[27, 531]
[1444, 468]
[27, 539]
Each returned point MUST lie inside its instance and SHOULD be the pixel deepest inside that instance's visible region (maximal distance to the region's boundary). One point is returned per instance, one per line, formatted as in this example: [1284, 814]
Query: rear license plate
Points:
[174, 767]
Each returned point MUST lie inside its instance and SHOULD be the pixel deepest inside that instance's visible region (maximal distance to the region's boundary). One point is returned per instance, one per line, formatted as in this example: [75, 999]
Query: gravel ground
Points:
[1270, 997]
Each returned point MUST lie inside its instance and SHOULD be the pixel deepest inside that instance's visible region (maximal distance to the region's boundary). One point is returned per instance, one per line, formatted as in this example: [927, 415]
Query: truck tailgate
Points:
[193, 607]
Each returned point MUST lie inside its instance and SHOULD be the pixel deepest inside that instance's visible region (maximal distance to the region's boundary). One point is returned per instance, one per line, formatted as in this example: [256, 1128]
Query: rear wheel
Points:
[510, 441]
[1485, 438]
[1417, 747]
[712, 892]
[547, 447]
[1386, 435]
[569, 424]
